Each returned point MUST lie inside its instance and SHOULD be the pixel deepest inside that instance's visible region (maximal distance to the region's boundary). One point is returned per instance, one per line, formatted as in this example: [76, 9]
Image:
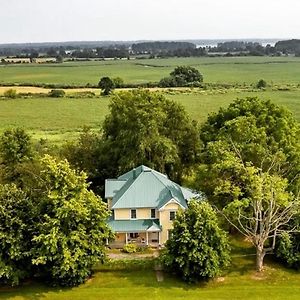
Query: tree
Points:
[182, 76]
[15, 149]
[15, 219]
[264, 212]
[198, 247]
[146, 128]
[259, 131]
[187, 73]
[106, 84]
[72, 231]
[261, 84]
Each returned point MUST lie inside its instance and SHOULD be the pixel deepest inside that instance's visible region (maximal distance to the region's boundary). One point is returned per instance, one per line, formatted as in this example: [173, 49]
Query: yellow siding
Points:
[164, 218]
[122, 214]
[125, 214]
[109, 202]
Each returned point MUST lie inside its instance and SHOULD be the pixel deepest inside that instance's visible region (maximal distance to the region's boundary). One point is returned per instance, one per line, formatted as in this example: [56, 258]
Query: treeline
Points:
[154, 49]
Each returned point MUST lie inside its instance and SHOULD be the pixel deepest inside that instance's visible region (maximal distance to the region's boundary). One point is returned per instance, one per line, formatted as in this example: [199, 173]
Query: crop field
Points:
[62, 119]
[248, 70]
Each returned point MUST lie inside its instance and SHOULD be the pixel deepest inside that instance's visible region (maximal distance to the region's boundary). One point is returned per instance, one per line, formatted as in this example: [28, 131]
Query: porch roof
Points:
[135, 225]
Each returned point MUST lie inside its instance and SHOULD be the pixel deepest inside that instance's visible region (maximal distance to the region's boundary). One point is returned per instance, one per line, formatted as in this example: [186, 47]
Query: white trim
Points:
[171, 201]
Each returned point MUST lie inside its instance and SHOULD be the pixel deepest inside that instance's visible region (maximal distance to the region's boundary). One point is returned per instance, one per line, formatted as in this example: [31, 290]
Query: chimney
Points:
[134, 173]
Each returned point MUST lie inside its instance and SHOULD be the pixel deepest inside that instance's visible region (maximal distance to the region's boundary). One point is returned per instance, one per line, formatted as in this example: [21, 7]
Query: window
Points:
[133, 214]
[133, 235]
[152, 213]
[172, 215]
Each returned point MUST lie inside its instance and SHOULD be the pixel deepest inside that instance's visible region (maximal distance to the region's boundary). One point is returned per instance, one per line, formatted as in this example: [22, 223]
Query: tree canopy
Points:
[146, 128]
[198, 247]
[257, 131]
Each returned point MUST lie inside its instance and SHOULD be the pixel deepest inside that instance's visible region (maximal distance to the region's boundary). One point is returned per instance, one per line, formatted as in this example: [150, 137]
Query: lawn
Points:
[283, 70]
[62, 119]
[137, 280]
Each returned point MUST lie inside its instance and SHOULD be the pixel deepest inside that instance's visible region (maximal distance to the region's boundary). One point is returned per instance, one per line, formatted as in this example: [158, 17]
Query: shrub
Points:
[130, 248]
[11, 93]
[261, 84]
[57, 93]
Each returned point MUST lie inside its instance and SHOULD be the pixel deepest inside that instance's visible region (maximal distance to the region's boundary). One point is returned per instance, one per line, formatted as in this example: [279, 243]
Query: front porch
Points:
[141, 239]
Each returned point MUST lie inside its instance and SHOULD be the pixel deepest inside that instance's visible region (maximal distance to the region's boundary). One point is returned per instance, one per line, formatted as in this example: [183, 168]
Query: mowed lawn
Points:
[133, 280]
[62, 119]
[279, 70]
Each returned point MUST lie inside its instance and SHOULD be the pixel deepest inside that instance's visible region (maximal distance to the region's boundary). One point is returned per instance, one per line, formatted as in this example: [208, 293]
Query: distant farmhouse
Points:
[144, 204]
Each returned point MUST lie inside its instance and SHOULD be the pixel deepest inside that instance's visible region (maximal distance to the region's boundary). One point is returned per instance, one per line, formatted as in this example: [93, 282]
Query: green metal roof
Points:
[112, 186]
[134, 225]
[147, 188]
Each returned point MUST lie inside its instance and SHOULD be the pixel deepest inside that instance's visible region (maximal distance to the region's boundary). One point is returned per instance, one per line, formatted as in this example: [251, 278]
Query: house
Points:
[144, 204]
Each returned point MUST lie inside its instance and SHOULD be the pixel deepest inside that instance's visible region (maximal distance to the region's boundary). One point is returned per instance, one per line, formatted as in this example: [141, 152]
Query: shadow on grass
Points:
[29, 290]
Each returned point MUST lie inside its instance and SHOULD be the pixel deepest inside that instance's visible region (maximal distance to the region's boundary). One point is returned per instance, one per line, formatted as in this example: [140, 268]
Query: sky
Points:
[95, 20]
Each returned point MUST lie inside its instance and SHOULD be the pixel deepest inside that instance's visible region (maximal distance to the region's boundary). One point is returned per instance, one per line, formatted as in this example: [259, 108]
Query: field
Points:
[62, 119]
[283, 70]
[137, 280]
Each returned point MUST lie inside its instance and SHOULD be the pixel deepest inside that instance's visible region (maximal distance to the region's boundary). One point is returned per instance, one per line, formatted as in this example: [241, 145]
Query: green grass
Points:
[283, 70]
[136, 280]
[62, 119]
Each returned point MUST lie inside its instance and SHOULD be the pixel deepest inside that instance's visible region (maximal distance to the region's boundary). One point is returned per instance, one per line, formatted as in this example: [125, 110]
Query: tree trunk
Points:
[260, 254]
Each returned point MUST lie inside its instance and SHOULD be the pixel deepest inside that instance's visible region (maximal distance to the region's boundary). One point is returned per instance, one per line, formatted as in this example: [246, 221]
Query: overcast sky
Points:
[89, 20]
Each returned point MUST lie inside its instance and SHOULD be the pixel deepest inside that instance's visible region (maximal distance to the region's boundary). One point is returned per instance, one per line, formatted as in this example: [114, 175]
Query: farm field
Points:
[137, 280]
[62, 119]
[248, 70]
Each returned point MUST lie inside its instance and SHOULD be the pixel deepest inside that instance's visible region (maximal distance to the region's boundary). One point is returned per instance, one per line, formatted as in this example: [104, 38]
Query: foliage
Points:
[71, 235]
[256, 131]
[118, 82]
[57, 93]
[182, 76]
[11, 93]
[261, 84]
[107, 85]
[198, 247]
[15, 220]
[287, 250]
[264, 212]
[130, 248]
[146, 128]
[15, 149]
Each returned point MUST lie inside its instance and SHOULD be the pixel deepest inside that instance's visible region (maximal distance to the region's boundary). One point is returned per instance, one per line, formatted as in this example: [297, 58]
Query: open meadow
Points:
[248, 70]
[63, 118]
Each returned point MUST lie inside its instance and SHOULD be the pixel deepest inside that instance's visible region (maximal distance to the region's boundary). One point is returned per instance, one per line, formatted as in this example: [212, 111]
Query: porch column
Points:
[147, 238]
[106, 242]
[159, 243]
[126, 238]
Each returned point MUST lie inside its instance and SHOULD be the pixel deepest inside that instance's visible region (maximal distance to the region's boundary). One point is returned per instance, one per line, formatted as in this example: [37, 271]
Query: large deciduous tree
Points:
[146, 128]
[71, 235]
[250, 169]
[258, 131]
[16, 217]
[198, 247]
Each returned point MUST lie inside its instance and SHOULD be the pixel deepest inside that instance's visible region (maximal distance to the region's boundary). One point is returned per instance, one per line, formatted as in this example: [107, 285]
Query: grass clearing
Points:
[137, 280]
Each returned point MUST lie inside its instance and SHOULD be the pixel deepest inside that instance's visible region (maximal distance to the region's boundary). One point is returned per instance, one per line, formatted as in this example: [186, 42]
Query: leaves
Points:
[198, 248]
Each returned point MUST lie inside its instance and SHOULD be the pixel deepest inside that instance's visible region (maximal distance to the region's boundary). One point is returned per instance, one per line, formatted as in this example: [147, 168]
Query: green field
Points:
[283, 70]
[132, 280]
[61, 119]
